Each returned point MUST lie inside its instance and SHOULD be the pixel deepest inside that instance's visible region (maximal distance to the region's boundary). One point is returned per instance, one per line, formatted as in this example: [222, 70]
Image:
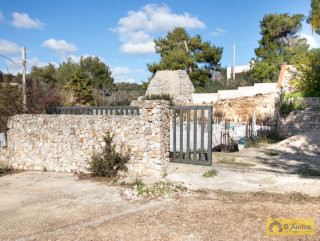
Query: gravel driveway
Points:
[55, 206]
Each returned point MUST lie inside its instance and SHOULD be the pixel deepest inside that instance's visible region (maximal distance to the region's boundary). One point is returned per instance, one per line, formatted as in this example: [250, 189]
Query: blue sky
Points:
[121, 32]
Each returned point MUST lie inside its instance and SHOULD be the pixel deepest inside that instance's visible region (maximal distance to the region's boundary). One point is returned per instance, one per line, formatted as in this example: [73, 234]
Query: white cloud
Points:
[138, 48]
[8, 47]
[22, 20]
[136, 28]
[1, 17]
[120, 74]
[121, 70]
[311, 40]
[16, 67]
[218, 32]
[123, 79]
[62, 47]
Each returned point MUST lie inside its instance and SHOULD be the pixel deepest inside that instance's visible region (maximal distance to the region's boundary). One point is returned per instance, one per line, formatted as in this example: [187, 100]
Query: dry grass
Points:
[232, 161]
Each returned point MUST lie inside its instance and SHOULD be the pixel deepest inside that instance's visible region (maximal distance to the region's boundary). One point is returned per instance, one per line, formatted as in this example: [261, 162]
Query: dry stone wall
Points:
[175, 83]
[65, 143]
[242, 109]
[301, 120]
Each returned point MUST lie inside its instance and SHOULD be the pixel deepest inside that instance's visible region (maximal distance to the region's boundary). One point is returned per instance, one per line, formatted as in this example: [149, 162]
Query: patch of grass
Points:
[160, 97]
[270, 138]
[164, 175]
[232, 161]
[310, 172]
[210, 173]
[156, 189]
[4, 170]
[300, 94]
[266, 196]
[291, 103]
[271, 153]
[202, 191]
[137, 182]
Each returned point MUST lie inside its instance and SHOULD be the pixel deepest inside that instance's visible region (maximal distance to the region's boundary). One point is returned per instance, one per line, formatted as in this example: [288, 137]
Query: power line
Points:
[9, 59]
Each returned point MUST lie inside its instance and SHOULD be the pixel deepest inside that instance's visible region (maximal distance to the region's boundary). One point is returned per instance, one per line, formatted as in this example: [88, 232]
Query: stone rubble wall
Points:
[172, 82]
[65, 143]
[300, 120]
[242, 109]
[312, 103]
[297, 122]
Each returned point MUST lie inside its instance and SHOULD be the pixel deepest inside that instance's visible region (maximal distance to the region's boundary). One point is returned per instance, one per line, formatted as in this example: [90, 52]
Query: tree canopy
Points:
[280, 44]
[314, 17]
[90, 73]
[180, 51]
[97, 71]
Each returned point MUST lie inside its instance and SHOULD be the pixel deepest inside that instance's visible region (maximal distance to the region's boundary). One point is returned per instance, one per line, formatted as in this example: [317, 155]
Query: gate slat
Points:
[181, 133]
[202, 136]
[210, 135]
[200, 156]
[188, 135]
[174, 134]
[195, 135]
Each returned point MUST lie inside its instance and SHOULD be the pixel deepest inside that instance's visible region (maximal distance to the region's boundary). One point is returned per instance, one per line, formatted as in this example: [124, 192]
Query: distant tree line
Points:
[280, 44]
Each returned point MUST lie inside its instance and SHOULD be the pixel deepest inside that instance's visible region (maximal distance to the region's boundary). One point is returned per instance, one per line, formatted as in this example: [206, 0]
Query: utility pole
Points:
[24, 92]
[234, 62]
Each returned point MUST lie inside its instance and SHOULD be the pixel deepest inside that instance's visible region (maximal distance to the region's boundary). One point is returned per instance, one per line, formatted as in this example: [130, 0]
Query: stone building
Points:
[176, 83]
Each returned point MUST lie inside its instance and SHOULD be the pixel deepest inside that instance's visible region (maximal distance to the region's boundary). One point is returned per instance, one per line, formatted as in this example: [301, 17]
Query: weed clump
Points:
[109, 162]
[210, 173]
[160, 97]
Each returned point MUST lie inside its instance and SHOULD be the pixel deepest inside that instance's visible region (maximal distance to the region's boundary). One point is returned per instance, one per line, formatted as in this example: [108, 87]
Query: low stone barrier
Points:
[300, 120]
[65, 143]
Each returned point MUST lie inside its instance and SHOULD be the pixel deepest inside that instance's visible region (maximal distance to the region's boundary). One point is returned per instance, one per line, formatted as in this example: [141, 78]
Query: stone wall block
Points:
[65, 143]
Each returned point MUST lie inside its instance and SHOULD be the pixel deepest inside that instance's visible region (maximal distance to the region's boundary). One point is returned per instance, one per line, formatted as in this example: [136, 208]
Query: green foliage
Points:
[109, 162]
[308, 171]
[160, 97]
[298, 94]
[232, 161]
[81, 78]
[314, 17]
[10, 103]
[287, 105]
[272, 153]
[270, 138]
[65, 70]
[210, 173]
[180, 51]
[280, 44]
[307, 77]
[5, 169]
[99, 73]
[81, 85]
[47, 74]
[241, 79]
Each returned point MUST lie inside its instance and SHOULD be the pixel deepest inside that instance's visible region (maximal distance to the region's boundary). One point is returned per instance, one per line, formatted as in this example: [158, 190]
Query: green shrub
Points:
[160, 97]
[307, 76]
[109, 162]
[210, 173]
[271, 137]
[289, 104]
[5, 169]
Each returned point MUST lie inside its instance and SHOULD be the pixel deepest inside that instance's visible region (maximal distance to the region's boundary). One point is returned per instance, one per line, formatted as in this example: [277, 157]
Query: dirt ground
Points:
[55, 206]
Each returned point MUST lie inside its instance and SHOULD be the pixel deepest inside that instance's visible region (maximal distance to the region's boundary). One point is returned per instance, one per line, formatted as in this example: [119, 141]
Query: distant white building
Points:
[239, 69]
